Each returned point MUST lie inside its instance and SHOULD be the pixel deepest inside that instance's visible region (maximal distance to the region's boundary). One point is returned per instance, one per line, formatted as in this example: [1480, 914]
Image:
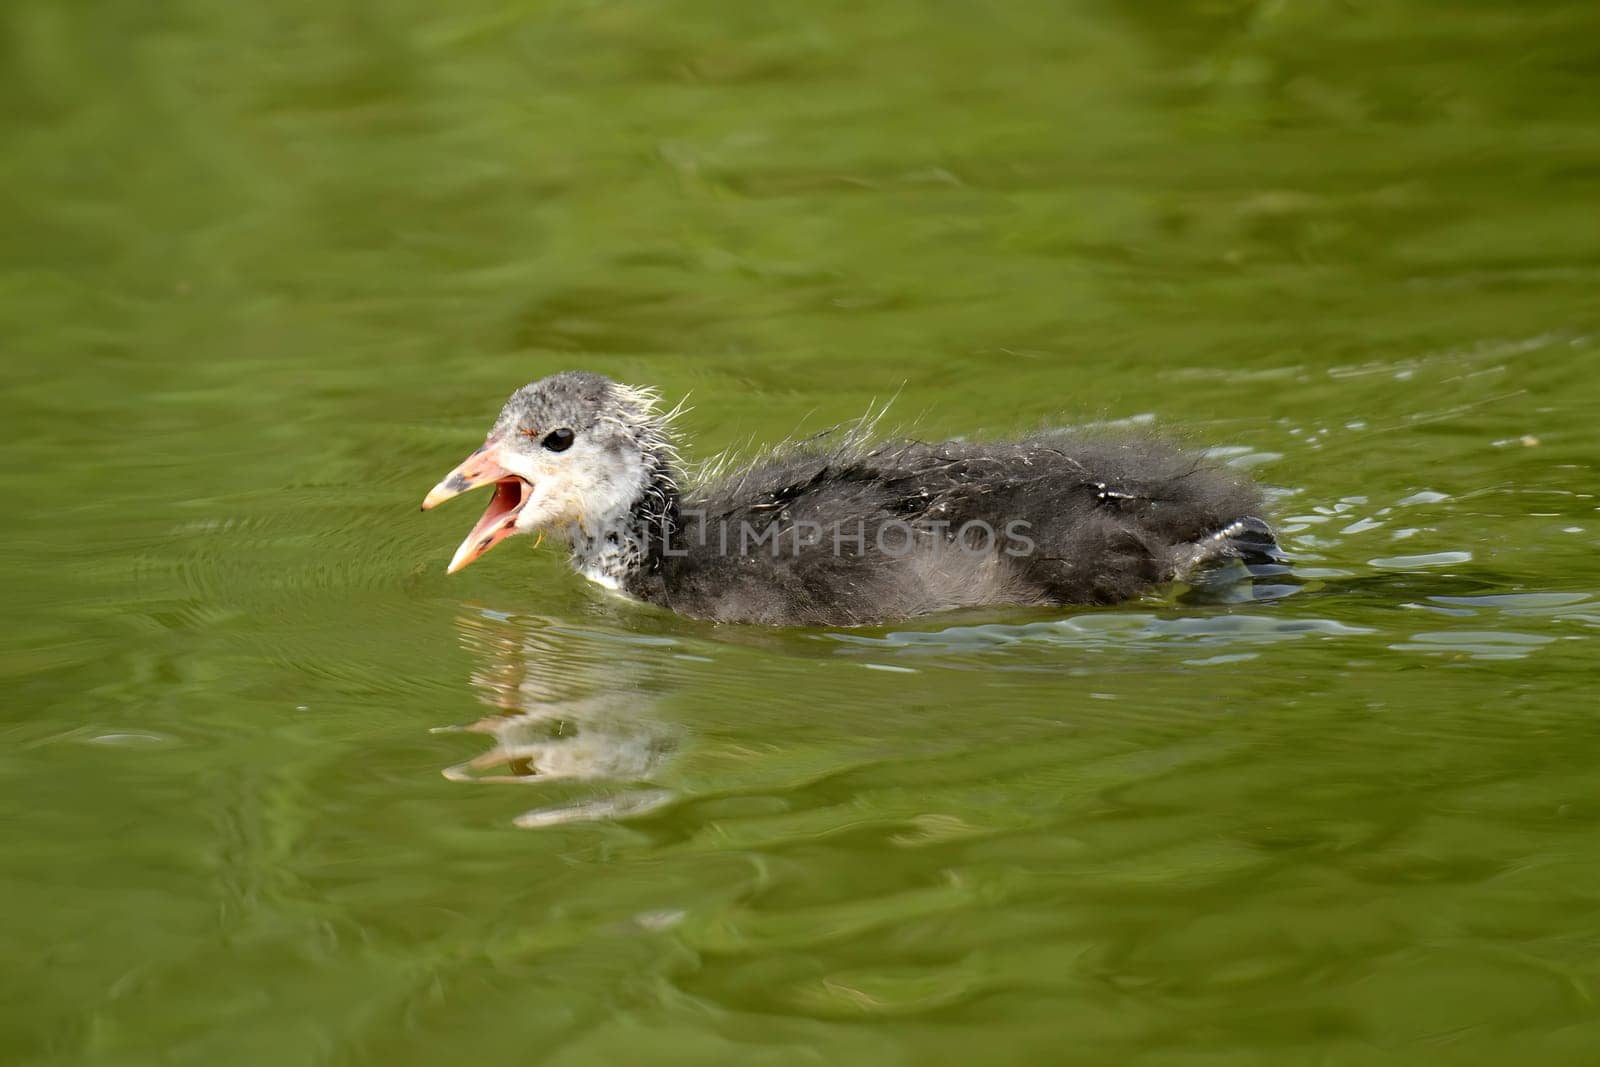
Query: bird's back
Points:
[855, 534]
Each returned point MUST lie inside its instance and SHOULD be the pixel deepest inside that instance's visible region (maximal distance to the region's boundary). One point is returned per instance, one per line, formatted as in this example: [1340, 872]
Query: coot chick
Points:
[844, 530]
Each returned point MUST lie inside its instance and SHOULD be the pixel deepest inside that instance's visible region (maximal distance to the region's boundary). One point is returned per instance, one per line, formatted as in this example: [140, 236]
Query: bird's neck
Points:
[620, 549]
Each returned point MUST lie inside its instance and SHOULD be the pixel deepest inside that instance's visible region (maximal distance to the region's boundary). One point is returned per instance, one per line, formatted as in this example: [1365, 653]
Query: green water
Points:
[277, 791]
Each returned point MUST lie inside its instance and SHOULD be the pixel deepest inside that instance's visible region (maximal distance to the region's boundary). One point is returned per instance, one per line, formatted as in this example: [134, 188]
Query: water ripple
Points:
[1111, 630]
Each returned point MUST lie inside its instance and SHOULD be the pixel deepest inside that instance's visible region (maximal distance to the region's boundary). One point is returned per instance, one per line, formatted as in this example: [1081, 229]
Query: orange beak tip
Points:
[478, 469]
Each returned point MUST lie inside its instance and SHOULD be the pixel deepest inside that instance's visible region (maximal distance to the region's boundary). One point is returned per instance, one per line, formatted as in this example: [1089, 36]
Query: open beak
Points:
[499, 518]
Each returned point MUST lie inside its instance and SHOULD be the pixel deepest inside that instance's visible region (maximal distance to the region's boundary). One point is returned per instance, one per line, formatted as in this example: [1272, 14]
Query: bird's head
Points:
[570, 453]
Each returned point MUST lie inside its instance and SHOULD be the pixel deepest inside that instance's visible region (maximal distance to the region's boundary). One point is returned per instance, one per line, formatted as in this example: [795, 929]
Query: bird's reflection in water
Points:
[569, 706]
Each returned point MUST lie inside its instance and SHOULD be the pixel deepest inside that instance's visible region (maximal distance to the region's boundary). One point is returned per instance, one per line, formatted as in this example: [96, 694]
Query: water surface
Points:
[278, 791]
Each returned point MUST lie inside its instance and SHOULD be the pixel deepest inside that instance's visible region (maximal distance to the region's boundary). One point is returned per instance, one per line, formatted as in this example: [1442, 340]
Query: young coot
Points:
[843, 530]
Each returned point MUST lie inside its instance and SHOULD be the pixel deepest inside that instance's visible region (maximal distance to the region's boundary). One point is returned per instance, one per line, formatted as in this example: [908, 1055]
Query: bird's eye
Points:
[558, 440]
